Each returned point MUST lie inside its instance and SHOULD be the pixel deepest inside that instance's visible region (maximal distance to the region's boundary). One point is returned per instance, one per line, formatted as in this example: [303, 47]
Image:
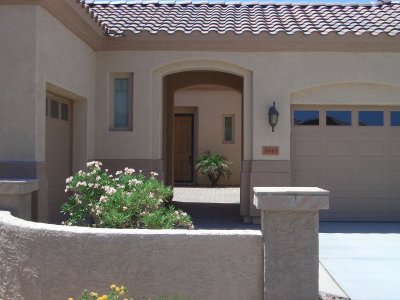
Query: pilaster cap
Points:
[291, 198]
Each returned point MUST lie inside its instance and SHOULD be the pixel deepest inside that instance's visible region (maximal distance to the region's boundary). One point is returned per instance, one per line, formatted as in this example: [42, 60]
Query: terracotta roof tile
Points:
[121, 17]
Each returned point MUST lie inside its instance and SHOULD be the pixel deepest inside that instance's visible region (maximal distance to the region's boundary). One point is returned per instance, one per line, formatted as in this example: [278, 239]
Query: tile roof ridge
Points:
[327, 3]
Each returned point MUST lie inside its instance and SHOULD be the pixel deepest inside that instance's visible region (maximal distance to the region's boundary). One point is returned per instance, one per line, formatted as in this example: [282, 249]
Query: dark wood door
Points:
[183, 147]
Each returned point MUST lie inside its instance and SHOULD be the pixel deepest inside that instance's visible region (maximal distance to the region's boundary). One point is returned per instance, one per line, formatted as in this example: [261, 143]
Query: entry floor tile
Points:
[228, 195]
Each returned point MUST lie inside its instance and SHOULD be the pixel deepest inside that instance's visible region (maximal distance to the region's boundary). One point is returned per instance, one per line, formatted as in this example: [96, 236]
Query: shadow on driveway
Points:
[359, 227]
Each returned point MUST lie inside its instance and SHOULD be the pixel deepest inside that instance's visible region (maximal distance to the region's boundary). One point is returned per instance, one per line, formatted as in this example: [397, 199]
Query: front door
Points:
[183, 148]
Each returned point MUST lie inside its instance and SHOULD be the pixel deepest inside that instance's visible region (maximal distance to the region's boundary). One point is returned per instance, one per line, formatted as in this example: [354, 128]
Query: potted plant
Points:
[214, 165]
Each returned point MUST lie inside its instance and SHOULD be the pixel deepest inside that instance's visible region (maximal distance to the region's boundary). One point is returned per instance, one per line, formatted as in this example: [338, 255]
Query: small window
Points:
[306, 117]
[122, 103]
[395, 118]
[229, 132]
[64, 112]
[338, 118]
[54, 109]
[370, 118]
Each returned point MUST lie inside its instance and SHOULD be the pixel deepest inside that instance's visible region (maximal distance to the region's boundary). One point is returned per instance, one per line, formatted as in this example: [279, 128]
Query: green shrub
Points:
[127, 199]
[214, 165]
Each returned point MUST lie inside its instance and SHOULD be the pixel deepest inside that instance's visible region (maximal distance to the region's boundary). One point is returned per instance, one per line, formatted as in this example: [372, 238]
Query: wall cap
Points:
[18, 186]
[6, 219]
[291, 198]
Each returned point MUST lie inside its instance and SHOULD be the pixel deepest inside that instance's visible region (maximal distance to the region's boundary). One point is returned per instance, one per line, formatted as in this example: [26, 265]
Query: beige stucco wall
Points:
[66, 66]
[17, 82]
[348, 93]
[42, 261]
[268, 77]
[40, 53]
[212, 103]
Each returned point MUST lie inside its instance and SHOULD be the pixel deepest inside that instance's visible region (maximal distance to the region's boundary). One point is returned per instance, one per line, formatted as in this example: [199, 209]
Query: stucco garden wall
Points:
[42, 261]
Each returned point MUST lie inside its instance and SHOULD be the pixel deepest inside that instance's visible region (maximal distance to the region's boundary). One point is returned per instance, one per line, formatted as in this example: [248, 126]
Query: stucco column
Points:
[290, 225]
[16, 196]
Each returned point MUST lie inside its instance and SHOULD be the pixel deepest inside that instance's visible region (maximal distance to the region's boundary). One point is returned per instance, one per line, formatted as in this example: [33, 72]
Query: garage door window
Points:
[54, 109]
[306, 117]
[64, 112]
[338, 118]
[395, 118]
[370, 118]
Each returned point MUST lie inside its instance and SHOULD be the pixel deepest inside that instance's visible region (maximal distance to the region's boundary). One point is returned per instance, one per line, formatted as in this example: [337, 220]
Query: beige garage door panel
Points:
[394, 148]
[359, 165]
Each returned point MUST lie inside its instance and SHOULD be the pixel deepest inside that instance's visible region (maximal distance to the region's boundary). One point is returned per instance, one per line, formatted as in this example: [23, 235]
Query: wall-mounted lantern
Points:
[273, 115]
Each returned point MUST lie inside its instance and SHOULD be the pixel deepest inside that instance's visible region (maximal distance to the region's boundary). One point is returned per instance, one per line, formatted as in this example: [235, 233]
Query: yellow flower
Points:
[122, 292]
[113, 286]
[70, 298]
[93, 294]
[117, 289]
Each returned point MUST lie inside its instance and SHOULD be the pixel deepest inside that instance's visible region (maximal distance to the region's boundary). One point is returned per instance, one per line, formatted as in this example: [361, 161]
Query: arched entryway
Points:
[184, 121]
[168, 79]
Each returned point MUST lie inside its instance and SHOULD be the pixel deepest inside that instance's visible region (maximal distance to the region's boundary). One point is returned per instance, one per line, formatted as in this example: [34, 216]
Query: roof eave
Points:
[249, 42]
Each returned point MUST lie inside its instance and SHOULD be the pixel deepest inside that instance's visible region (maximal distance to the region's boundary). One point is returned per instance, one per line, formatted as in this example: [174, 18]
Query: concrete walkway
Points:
[363, 258]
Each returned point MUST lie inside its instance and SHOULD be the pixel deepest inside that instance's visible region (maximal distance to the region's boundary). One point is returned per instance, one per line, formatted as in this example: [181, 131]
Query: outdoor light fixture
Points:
[273, 115]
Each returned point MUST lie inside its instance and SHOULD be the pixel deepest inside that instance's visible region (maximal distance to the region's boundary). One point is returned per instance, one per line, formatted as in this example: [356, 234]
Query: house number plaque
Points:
[270, 150]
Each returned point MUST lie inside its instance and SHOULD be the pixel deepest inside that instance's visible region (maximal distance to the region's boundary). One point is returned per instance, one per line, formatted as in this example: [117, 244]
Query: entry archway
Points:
[181, 80]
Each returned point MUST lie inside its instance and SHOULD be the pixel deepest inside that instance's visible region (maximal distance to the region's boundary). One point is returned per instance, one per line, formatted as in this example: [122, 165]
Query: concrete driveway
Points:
[363, 258]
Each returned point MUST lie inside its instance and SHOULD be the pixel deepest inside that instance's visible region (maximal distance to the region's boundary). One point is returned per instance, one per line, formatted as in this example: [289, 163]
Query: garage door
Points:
[355, 153]
[58, 152]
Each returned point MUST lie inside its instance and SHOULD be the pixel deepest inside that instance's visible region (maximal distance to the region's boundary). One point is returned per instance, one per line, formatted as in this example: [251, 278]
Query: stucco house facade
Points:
[151, 84]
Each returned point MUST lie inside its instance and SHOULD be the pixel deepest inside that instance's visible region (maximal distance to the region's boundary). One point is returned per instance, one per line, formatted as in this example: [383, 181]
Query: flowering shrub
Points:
[114, 293]
[127, 199]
